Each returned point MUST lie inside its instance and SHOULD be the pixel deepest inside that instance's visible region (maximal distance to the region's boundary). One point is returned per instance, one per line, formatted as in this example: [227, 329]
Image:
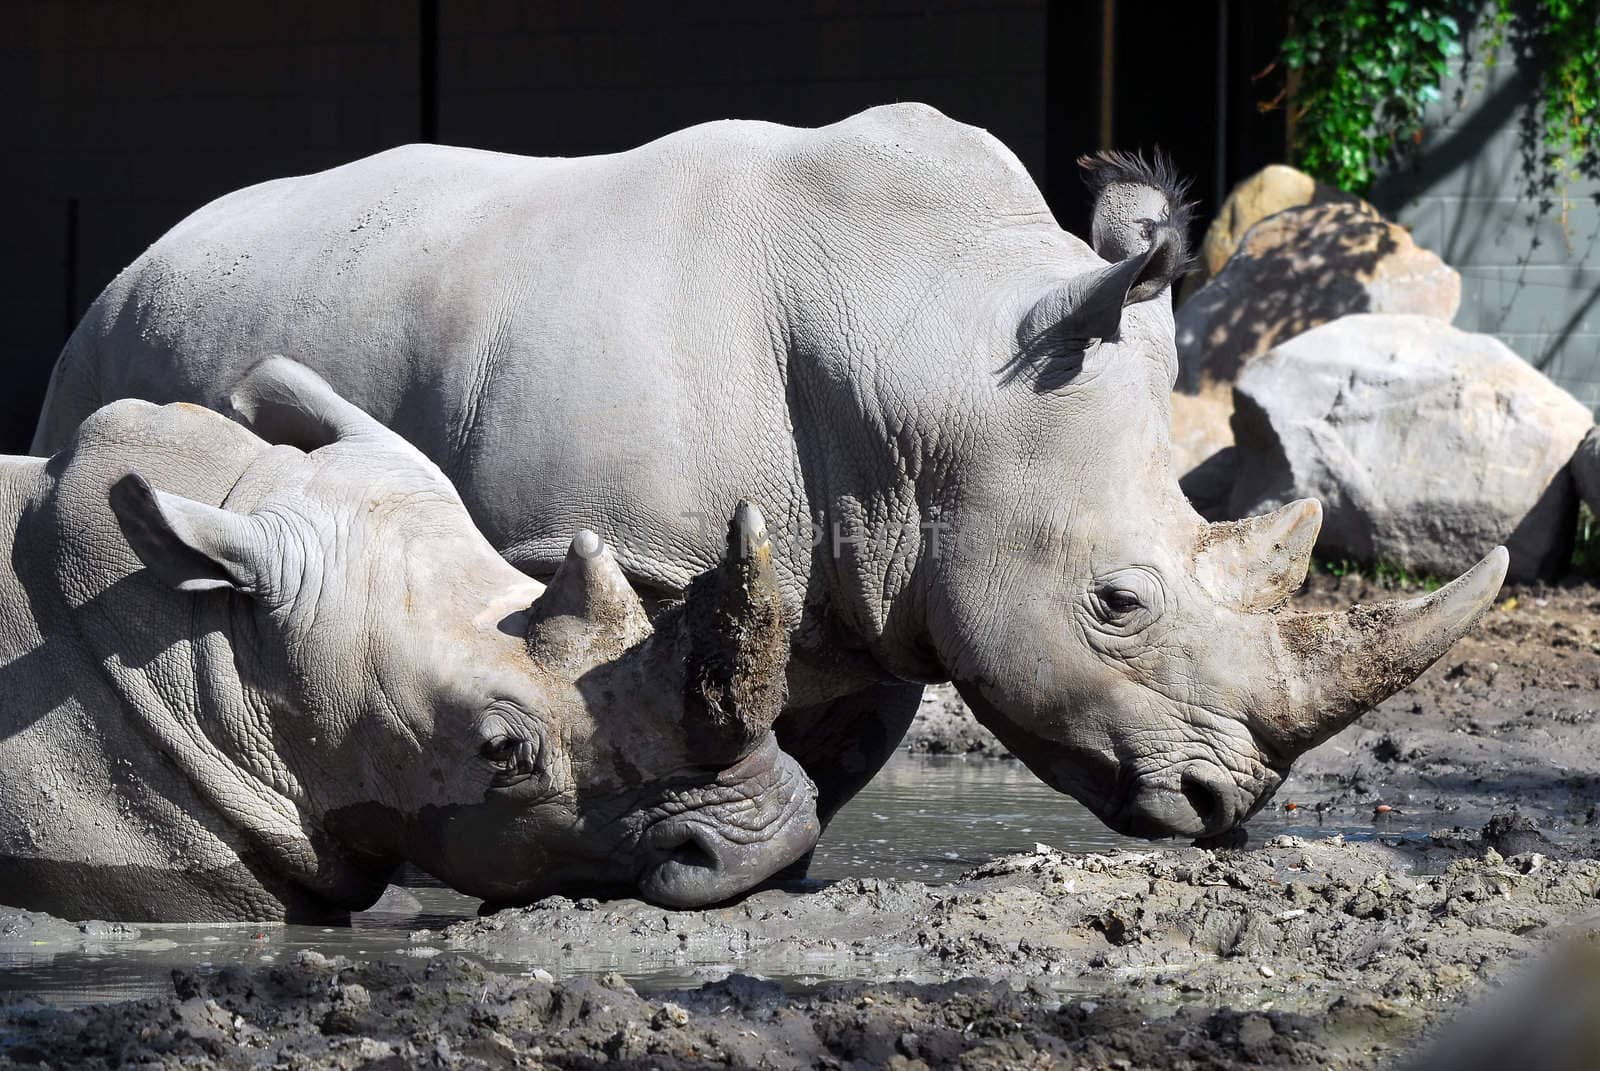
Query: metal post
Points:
[1220, 145]
[1108, 73]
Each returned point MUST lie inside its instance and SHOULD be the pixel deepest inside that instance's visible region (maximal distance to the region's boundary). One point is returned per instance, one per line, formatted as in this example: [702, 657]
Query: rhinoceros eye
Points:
[508, 751]
[1120, 601]
[1126, 601]
[513, 751]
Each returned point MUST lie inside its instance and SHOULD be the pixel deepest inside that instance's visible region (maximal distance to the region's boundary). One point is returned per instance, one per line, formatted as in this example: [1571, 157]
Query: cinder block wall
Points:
[122, 116]
[1529, 264]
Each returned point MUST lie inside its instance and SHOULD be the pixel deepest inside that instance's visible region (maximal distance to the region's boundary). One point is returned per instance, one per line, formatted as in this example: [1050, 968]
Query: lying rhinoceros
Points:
[878, 329]
[323, 670]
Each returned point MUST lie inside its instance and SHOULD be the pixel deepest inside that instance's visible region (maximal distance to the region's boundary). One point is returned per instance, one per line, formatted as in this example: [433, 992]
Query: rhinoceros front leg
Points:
[842, 743]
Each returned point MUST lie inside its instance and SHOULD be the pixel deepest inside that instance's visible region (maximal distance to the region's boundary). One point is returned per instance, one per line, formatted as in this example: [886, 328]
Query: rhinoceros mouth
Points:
[711, 842]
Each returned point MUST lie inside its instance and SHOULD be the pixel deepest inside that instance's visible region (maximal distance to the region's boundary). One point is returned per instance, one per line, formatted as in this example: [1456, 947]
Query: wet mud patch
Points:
[1296, 924]
[455, 1013]
[1294, 954]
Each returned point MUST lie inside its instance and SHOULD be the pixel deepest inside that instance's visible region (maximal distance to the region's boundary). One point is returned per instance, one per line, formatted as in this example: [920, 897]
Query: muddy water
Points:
[922, 819]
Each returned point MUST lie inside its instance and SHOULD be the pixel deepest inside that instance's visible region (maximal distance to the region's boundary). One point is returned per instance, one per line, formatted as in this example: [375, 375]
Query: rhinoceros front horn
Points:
[588, 613]
[737, 643]
[1338, 665]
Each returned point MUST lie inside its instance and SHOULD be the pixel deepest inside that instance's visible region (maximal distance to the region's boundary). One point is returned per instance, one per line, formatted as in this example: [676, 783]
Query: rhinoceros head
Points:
[419, 699]
[1129, 652]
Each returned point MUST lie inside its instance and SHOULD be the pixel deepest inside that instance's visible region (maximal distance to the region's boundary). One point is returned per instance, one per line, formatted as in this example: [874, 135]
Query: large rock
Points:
[1266, 193]
[1202, 448]
[1426, 445]
[1300, 268]
[1586, 470]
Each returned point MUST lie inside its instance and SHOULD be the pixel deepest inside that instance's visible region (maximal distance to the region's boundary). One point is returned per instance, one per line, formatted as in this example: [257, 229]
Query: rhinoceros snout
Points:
[1201, 802]
[731, 834]
[705, 868]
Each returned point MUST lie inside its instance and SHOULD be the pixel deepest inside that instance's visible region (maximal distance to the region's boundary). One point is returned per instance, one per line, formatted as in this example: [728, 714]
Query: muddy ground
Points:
[1291, 952]
[1294, 954]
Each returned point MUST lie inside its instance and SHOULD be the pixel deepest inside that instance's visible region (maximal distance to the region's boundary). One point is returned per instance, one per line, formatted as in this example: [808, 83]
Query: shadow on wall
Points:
[124, 117]
[1526, 241]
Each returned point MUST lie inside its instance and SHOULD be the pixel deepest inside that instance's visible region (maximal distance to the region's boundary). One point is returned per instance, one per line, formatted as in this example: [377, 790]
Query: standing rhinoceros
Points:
[323, 670]
[874, 327]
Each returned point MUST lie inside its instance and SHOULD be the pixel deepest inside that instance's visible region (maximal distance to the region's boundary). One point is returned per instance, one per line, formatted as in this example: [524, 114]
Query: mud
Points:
[1297, 953]
[1312, 950]
[944, 726]
[454, 1013]
[1509, 717]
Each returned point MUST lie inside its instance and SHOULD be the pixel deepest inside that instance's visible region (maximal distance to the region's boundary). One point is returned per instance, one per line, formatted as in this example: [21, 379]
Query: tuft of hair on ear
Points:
[1109, 167]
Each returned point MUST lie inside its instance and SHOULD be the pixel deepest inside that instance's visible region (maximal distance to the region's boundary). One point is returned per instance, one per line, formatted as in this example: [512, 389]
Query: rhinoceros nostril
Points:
[691, 851]
[1208, 800]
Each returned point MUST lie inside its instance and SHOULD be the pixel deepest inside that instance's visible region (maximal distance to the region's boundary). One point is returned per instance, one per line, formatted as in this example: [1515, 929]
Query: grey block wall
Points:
[122, 116]
[1529, 259]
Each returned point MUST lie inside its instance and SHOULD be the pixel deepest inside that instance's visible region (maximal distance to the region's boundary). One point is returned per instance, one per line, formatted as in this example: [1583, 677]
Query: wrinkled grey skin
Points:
[875, 324]
[242, 681]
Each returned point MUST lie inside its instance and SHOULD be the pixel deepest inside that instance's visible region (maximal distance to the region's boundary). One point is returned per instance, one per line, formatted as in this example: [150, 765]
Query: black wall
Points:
[122, 116]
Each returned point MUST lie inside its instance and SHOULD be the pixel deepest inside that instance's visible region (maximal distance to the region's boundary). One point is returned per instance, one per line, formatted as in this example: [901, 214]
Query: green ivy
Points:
[1368, 69]
[1586, 545]
[1561, 39]
[1385, 574]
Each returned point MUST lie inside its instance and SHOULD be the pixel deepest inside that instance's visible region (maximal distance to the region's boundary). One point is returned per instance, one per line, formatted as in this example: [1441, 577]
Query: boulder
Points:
[1266, 193]
[1202, 448]
[1300, 268]
[1426, 445]
[1586, 470]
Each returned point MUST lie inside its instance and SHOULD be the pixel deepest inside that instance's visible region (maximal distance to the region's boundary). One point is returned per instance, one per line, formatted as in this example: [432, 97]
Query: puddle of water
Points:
[101, 969]
[932, 818]
[923, 819]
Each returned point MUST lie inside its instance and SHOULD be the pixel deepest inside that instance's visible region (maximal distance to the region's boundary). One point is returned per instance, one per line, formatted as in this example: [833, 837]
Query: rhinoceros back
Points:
[548, 331]
[603, 341]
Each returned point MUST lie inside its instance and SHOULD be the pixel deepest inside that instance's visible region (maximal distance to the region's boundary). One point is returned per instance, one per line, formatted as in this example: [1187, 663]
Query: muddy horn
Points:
[589, 613]
[736, 639]
[1342, 664]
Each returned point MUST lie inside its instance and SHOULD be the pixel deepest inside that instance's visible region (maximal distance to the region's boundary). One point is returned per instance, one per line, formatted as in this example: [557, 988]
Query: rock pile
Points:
[1301, 268]
[1425, 445]
[1319, 362]
[1266, 193]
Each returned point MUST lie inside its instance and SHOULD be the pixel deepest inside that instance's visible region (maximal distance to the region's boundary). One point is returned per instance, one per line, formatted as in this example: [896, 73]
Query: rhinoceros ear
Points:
[287, 403]
[1139, 208]
[191, 546]
[1086, 307]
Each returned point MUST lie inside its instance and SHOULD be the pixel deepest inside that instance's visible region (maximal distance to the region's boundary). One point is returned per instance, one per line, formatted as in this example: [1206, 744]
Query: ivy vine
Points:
[1560, 41]
[1367, 70]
